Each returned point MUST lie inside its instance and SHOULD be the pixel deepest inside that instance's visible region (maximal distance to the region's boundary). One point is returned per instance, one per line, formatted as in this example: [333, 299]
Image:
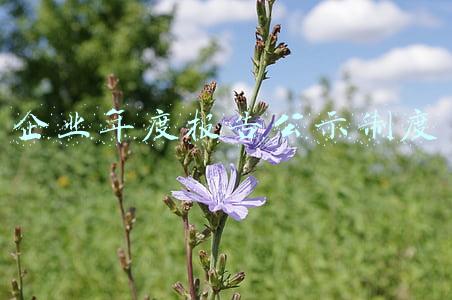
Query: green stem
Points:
[216, 239]
[215, 247]
[257, 86]
[262, 64]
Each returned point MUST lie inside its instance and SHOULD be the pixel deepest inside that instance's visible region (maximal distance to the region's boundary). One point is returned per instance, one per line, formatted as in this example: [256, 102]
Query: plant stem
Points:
[216, 239]
[132, 286]
[262, 66]
[189, 257]
[258, 84]
[215, 246]
[112, 83]
[19, 271]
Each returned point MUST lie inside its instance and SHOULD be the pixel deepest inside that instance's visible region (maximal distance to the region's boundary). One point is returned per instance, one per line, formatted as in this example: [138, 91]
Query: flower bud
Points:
[236, 296]
[129, 218]
[250, 164]
[15, 288]
[259, 109]
[282, 50]
[241, 102]
[123, 259]
[115, 184]
[112, 82]
[206, 97]
[236, 279]
[17, 234]
[258, 50]
[261, 13]
[125, 152]
[274, 36]
[192, 233]
[184, 145]
[183, 136]
[197, 284]
[213, 142]
[196, 154]
[185, 139]
[179, 288]
[222, 263]
[186, 205]
[276, 31]
[172, 206]
[279, 52]
[199, 237]
[214, 279]
[205, 260]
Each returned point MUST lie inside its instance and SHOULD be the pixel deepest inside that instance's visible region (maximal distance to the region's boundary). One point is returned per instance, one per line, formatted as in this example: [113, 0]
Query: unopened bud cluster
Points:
[113, 86]
[219, 277]
[206, 98]
[267, 49]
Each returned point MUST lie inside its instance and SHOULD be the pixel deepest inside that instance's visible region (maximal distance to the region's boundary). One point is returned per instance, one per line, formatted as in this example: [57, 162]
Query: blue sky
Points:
[310, 60]
[400, 52]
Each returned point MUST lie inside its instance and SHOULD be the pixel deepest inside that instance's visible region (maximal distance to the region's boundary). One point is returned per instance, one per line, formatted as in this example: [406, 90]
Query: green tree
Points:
[68, 47]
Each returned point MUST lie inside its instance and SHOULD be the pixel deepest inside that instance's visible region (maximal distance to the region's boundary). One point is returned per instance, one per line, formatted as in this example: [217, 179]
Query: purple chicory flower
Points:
[255, 136]
[221, 193]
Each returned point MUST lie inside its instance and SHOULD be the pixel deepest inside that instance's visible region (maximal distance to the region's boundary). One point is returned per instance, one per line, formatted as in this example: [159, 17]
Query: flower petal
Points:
[194, 186]
[269, 127]
[188, 196]
[253, 202]
[217, 180]
[236, 212]
[232, 179]
[245, 188]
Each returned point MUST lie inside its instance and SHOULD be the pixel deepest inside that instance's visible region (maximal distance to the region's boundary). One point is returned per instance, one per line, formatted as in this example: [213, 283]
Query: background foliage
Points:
[343, 221]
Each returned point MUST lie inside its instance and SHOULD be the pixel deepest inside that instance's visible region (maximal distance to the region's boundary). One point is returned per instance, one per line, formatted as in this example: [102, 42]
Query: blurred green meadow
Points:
[343, 221]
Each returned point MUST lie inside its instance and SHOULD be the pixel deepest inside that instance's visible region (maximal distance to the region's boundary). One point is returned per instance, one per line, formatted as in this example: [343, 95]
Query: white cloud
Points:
[158, 68]
[358, 20]
[194, 17]
[9, 63]
[439, 114]
[211, 12]
[440, 121]
[281, 94]
[278, 98]
[380, 96]
[415, 62]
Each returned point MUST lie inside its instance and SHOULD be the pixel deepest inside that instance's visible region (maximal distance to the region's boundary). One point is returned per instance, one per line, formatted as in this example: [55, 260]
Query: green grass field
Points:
[341, 222]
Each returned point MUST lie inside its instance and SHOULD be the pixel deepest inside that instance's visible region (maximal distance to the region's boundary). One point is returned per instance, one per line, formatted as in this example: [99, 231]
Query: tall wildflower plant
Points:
[117, 184]
[219, 194]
